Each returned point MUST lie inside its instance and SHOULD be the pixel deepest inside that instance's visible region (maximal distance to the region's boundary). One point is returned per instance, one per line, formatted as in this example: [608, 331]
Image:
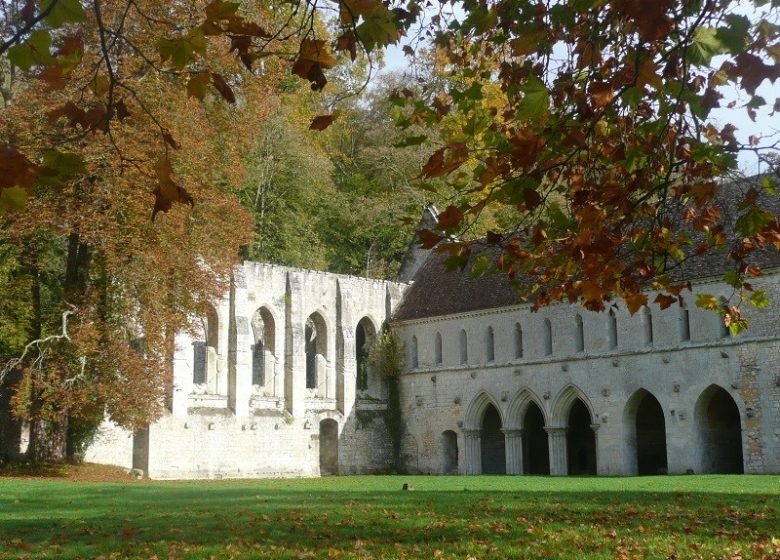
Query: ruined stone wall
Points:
[229, 427]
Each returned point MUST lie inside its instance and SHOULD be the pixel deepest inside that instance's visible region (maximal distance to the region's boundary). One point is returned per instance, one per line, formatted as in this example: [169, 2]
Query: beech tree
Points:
[100, 288]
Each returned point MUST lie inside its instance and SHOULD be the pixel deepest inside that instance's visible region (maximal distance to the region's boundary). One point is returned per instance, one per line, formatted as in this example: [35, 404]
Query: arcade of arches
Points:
[570, 448]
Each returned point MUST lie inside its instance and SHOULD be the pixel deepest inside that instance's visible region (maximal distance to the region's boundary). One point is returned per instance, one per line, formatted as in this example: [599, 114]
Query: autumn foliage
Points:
[591, 124]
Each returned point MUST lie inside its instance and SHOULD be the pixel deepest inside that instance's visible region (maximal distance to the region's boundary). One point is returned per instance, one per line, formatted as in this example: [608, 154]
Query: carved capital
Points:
[555, 432]
[513, 432]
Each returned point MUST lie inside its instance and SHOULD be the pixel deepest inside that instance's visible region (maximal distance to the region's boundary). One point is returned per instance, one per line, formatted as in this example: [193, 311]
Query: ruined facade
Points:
[276, 384]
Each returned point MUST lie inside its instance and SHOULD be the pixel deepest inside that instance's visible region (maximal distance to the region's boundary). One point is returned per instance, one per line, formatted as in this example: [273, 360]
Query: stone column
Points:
[347, 376]
[514, 451]
[595, 428]
[346, 365]
[240, 370]
[558, 460]
[183, 363]
[221, 351]
[473, 451]
[294, 349]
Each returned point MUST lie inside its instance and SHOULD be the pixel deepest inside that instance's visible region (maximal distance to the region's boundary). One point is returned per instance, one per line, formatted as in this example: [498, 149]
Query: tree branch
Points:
[27, 28]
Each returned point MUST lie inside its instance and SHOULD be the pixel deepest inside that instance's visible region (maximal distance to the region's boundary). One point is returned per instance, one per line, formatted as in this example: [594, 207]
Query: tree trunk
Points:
[48, 439]
[49, 434]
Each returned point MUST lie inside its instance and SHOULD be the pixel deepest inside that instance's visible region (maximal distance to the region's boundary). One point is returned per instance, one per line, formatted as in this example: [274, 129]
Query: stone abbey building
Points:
[277, 384]
[272, 387]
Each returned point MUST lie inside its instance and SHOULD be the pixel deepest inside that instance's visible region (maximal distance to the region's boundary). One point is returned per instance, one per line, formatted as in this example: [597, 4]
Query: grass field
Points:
[371, 517]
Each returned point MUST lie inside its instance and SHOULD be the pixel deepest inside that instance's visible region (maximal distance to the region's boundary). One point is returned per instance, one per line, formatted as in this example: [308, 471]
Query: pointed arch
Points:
[476, 410]
[566, 397]
[316, 347]
[581, 452]
[719, 438]
[536, 444]
[647, 325]
[579, 334]
[365, 334]
[264, 345]
[206, 349]
[490, 345]
[437, 349]
[518, 341]
[685, 323]
[516, 410]
[492, 442]
[612, 330]
[414, 359]
[644, 425]
[548, 338]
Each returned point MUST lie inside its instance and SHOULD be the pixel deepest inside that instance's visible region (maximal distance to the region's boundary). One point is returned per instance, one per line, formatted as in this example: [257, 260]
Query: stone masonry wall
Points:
[224, 426]
[436, 397]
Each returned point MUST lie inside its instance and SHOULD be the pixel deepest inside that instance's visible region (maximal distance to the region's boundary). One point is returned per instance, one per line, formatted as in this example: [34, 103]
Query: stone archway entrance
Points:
[536, 450]
[719, 432]
[650, 436]
[580, 441]
[492, 442]
[329, 447]
[449, 452]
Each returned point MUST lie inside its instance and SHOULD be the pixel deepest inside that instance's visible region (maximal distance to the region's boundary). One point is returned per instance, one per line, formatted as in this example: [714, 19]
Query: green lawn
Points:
[371, 517]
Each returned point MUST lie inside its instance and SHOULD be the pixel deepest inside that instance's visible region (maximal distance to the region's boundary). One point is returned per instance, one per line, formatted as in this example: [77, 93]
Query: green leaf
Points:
[732, 279]
[632, 97]
[759, 299]
[21, 56]
[752, 221]
[707, 301]
[536, 101]
[182, 51]
[379, 28]
[12, 199]
[65, 11]
[556, 216]
[704, 46]
[219, 10]
[35, 50]
[481, 266]
[734, 35]
[58, 167]
[411, 141]
[769, 186]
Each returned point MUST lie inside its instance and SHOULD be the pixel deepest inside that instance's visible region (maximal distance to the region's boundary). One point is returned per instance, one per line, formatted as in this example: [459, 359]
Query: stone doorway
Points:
[650, 429]
[536, 449]
[719, 432]
[449, 448]
[329, 447]
[580, 441]
[492, 442]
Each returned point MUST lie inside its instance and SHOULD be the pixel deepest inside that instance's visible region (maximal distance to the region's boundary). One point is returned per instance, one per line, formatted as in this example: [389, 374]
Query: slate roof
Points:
[437, 292]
